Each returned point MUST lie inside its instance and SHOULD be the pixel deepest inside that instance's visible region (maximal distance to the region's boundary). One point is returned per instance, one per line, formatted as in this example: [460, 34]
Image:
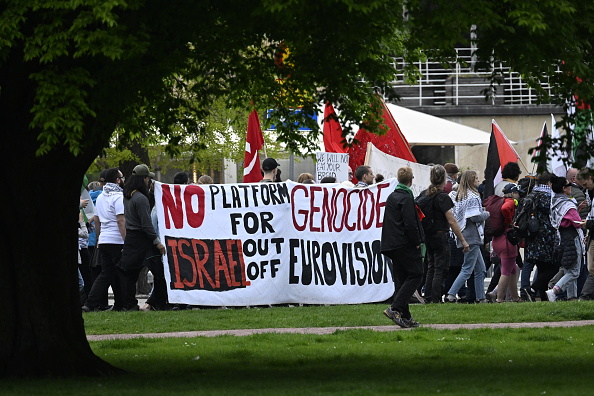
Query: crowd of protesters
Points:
[436, 241]
[555, 261]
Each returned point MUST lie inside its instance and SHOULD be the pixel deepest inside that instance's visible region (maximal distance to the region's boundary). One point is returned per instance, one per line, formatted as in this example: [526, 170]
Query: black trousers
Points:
[158, 297]
[110, 256]
[408, 274]
[546, 271]
[438, 265]
[137, 248]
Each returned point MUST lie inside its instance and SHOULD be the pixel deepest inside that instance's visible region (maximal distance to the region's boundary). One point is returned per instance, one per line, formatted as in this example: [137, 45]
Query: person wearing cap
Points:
[504, 249]
[269, 167]
[141, 239]
[510, 173]
[451, 177]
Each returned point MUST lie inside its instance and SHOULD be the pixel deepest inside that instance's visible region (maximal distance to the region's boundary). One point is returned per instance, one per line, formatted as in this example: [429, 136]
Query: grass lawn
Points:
[547, 361]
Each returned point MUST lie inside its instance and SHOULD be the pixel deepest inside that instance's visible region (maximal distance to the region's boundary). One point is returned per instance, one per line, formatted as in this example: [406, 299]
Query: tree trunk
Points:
[41, 326]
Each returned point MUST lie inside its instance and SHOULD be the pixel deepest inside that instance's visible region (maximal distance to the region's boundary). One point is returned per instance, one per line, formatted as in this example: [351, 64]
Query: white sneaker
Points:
[551, 295]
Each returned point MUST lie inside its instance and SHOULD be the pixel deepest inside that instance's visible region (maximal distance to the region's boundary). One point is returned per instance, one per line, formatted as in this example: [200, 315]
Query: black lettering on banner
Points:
[357, 263]
[206, 264]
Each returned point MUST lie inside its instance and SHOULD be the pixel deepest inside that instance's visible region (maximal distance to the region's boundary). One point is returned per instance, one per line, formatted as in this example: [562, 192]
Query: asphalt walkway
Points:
[330, 330]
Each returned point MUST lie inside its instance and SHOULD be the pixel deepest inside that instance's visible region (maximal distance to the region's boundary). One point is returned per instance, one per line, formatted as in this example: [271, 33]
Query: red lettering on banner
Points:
[313, 209]
[202, 273]
[220, 265]
[379, 204]
[353, 210]
[178, 284]
[195, 219]
[210, 264]
[300, 211]
[180, 248]
[172, 206]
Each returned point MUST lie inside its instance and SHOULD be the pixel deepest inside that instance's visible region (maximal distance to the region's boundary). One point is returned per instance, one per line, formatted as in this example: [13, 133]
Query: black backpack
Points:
[426, 203]
[526, 224]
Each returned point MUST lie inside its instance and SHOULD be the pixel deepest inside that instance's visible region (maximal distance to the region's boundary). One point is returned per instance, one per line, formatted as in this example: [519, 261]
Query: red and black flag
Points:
[500, 153]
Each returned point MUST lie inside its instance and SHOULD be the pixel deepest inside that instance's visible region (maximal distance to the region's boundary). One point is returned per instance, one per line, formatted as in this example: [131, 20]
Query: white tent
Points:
[427, 130]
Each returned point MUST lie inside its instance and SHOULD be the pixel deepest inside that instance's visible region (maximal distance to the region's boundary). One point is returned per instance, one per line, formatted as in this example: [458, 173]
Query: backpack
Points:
[526, 224]
[425, 203]
[495, 224]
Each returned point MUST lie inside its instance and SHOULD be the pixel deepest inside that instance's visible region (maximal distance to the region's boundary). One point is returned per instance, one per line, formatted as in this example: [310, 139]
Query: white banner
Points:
[388, 166]
[274, 243]
[332, 164]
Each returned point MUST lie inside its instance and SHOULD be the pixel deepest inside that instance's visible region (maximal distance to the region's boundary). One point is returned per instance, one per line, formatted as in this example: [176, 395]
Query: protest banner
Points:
[332, 164]
[273, 243]
[388, 166]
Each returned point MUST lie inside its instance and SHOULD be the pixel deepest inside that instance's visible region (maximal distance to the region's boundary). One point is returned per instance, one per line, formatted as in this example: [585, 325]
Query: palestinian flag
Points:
[539, 156]
[499, 154]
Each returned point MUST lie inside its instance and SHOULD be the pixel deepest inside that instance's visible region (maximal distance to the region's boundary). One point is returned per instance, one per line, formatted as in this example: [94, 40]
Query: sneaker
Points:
[491, 297]
[551, 295]
[482, 301]
[527, 295]
[396, 317]
[418, 297]
[412, 322]
[450, 299]
[147, 307]
[86, 309]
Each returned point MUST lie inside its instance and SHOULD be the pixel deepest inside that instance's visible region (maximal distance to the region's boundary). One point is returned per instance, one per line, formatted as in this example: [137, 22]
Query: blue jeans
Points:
[473, 261]
[525, 275]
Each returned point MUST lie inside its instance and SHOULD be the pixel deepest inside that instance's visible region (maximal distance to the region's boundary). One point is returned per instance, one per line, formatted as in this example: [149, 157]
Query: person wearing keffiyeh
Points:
[470, 215]
[570, 249]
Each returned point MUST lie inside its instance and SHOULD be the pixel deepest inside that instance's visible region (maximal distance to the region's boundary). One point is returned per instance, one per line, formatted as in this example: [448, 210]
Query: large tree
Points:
[71, 72]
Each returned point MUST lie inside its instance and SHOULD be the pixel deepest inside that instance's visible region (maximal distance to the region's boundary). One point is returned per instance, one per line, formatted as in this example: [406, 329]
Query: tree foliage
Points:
[72, 72]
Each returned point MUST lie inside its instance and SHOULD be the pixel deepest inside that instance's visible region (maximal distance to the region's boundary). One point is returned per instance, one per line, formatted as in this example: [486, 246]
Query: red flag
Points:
[254, 141]
[393, 142]
[332, 131]
[500, 152]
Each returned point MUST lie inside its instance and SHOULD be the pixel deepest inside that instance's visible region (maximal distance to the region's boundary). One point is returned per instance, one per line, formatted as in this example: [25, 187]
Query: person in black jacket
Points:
[402, 235]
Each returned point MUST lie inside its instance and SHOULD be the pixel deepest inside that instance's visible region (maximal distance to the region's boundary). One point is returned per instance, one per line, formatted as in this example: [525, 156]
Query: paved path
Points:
[330, 330]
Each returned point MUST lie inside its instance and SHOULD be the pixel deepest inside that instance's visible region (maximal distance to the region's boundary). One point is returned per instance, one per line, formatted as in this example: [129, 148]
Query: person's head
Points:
[328, 179]
[309, 181]
[102, 177]
[269, 167]
[452, 170]
[379, 178]
[571, 175]
[437, 176]
[584, 178]
[277, 178]
[114, 175]
[511, 171]
[559, 185]
[512, 190]
[543, 178]
[350, 174]
[405, 176]
[139, 181]
[364, 174]
[94, 186]
[304, 176]
[469, 181]
[205, 179]
[181, 178]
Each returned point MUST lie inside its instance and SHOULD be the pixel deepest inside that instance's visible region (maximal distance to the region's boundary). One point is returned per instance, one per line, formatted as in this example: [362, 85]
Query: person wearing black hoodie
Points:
[402, 236]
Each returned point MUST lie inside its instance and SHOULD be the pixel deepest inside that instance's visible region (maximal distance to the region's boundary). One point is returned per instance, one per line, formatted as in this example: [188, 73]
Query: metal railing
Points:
[461, 85]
